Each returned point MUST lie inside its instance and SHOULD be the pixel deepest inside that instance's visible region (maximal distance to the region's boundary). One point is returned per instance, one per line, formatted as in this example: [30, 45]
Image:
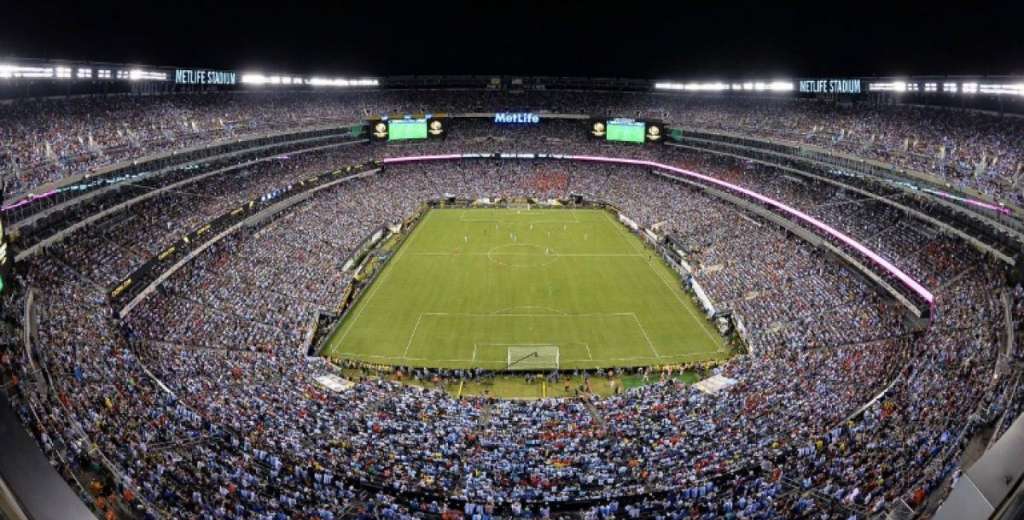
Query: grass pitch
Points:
[468, 285]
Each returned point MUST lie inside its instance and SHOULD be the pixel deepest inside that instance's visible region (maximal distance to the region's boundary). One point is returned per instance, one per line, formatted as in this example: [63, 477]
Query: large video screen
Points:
[626, 130]
[407, 128]
[402, 129]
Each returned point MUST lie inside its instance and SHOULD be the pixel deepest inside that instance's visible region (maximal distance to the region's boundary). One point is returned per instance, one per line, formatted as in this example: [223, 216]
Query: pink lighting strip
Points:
[842, 237]
[28, 199]
[978, 203]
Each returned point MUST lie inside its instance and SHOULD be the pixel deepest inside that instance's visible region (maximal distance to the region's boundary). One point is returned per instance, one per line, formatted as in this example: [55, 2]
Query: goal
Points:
[532, 357]
[518, 205]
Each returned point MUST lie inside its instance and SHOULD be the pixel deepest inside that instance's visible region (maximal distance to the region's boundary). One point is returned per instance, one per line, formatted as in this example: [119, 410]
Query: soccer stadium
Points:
[241, 292]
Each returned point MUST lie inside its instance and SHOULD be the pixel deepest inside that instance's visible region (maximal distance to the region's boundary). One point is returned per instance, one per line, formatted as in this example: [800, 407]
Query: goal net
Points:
[518, 205]
[532, 357]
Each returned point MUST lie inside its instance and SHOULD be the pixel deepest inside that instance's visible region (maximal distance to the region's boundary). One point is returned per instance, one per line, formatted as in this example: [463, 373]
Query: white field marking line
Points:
[513, 266]
[491, 256]
[617, 229]
[412, 335]
[691, 354]
[589, 355]
[506, 345]
[700, 319]
[377, 283]
[396, 358]
[458, 360]
[595, 255]
[518, 344]
[526, 315]
[637, 358]
[500, 311]
[496, 218]
[478, 221]
[582, 360]
[644, 332]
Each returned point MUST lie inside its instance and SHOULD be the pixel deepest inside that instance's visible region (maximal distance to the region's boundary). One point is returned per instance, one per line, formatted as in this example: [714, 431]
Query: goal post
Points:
[532, 357]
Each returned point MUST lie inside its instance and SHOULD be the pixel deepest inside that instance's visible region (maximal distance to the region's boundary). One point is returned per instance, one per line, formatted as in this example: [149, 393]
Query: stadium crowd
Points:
[117, 244]
[46, 140]
[202, 402]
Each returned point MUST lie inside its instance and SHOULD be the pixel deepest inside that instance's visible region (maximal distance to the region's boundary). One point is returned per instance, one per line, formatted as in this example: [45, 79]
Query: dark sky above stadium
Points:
[626, 38]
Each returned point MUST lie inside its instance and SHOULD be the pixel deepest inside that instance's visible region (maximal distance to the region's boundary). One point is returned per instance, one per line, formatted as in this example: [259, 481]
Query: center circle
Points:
[522, 255]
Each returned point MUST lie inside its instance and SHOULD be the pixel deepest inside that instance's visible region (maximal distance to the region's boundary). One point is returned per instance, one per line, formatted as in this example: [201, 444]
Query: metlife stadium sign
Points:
[520, 118]
[204, 77]
[830, 86]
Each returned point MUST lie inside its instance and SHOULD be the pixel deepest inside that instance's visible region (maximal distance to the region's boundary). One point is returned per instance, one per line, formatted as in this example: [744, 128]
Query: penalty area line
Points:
[363, 304]
[412, 335]
[643, 331]
[702, 322]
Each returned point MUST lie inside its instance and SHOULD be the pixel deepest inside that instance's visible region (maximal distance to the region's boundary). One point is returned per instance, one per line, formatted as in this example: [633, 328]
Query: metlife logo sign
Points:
[520, 118]
[203, 77]
[831, 86]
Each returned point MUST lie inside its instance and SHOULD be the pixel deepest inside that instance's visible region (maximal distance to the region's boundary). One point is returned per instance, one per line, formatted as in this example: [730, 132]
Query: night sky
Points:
[713, 39]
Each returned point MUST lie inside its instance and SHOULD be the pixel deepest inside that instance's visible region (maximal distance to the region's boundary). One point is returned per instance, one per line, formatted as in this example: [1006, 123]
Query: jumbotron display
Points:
[626, 130]
[406, 129]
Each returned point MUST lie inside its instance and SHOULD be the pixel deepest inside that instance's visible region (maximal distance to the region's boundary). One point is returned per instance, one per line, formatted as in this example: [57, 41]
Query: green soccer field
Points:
[481, 287]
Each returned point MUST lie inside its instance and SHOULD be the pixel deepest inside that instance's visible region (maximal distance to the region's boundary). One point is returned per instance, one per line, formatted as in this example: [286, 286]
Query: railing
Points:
[845, 160]
[49, 385]
[749, 154]
[21, 206]
[141, 282]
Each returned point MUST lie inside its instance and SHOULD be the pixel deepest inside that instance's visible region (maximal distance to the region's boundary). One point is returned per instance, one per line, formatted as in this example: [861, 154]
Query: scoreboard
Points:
[408, 128]
[626, 130]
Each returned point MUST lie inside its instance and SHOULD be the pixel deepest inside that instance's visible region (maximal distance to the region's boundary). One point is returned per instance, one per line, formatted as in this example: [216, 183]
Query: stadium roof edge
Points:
[505, 78]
